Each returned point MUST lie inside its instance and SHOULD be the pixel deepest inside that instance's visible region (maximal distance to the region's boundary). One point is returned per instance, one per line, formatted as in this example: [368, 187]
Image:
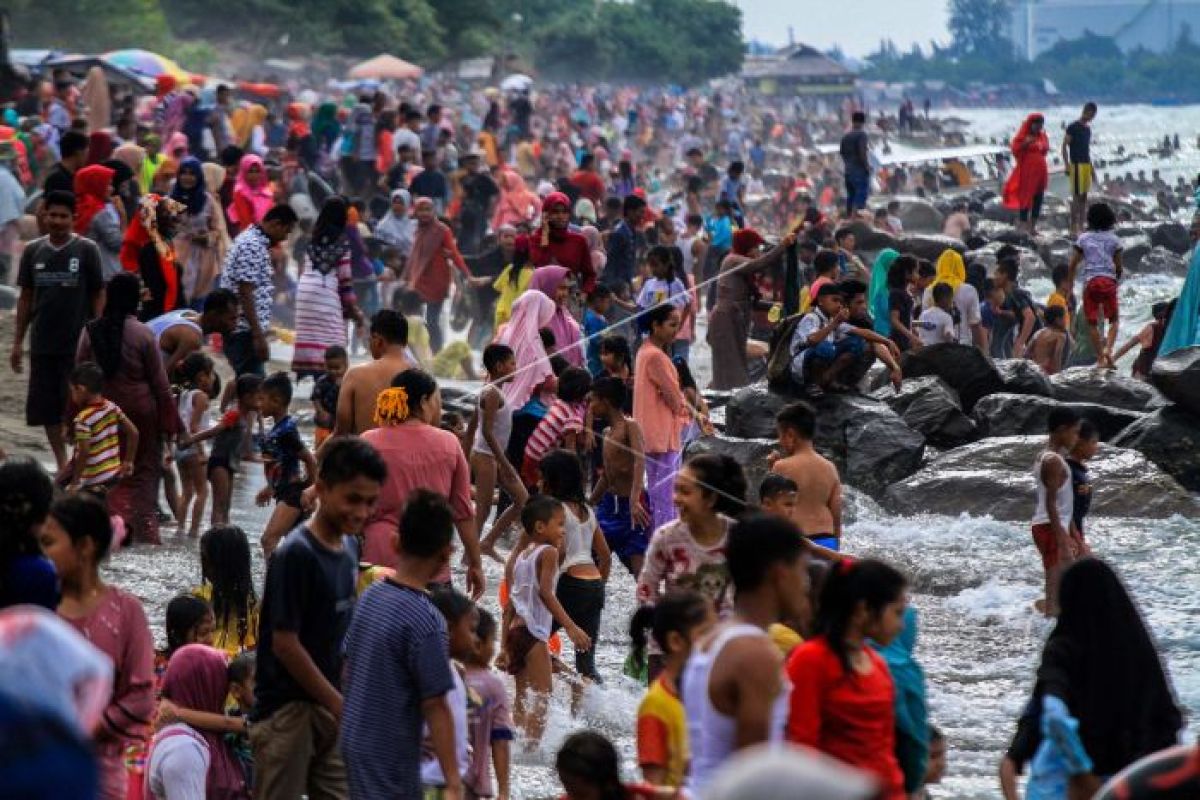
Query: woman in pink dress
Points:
[76, 537]
[419, 455]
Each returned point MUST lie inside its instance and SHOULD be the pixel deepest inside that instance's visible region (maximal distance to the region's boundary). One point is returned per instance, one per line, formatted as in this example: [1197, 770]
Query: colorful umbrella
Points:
[146, 63]
[386, 67]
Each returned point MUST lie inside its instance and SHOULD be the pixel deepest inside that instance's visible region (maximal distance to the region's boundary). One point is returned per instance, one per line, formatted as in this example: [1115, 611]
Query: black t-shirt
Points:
[1079, 146]
[430, 183]
[1028, 737]
[1006, 328]
[853, 149]
[64, 281]
[478, 190]
[901, 302]
[59, 179]
[310, 591]
[1081, 485]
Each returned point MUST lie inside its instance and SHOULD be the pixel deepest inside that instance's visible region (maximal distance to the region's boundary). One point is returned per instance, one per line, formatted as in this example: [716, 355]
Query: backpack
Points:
[780, 354]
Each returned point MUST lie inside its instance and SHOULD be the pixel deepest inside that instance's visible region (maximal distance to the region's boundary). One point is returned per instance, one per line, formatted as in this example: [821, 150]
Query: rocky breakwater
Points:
[1170, 435]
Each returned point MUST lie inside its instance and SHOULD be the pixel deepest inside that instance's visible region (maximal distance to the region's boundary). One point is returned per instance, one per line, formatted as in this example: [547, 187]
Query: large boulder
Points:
[964, 369]
[750, 413]
[1170, 437]
[1027, 415]
[995, 210]
[1103, 387]
[930, 246]
[1161, 261]
[1171, 235]
[1177, 376]
[994, 477]
[867, 441]
[1022, 376]
[868, 239]
[919, 215]
[1031, 263]
[1134, 250]
[930, 407]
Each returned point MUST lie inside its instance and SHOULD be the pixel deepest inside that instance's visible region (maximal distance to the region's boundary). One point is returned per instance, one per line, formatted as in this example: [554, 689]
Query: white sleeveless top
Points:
[711, 733]
[1064, 499]
[501, 426]
[577, 539]
[182, 316]
[526, 599]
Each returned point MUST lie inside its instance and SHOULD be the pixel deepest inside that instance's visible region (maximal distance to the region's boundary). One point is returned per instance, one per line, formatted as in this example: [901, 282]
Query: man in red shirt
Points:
[556, 243]
[588, 182]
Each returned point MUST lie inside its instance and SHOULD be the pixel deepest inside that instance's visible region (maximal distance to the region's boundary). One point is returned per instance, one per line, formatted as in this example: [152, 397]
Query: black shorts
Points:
[239, 351]
[217, 461]
[289, 495]
[46, 402]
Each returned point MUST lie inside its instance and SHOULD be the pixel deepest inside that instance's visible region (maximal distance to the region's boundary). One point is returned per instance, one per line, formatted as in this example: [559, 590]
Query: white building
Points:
[1151, 24]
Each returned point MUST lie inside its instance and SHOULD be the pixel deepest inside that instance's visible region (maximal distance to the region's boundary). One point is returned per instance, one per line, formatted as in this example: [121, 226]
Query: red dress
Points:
[1031, 174]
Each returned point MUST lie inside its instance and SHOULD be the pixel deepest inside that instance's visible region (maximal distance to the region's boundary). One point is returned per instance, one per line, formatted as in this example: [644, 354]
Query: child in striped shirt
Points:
[563, 425]
[98, 429]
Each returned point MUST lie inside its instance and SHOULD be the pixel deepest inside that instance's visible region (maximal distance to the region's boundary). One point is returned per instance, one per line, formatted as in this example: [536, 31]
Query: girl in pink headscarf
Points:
[518, 205]
[252, 193]
[523, 392]
[553, 282]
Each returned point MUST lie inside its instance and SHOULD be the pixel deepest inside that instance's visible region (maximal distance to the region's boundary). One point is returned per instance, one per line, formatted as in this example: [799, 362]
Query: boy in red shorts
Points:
[1053, 529]
[1099, 249]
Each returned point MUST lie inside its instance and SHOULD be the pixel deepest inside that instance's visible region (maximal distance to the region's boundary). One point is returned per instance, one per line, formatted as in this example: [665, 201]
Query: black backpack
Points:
[780, 355]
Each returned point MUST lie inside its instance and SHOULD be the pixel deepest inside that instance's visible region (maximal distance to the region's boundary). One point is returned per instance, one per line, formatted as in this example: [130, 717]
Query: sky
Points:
[856, 25]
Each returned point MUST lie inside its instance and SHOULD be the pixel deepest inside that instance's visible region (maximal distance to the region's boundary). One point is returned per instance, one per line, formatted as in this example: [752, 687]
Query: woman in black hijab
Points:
[1101, 661]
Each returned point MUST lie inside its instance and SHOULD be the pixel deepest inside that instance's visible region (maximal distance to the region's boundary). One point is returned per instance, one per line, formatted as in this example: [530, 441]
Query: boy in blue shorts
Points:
[618, 496]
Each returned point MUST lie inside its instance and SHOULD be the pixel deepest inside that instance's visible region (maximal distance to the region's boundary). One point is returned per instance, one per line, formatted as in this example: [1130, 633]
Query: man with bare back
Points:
[818, 511]
[618, 495]
[363, 383]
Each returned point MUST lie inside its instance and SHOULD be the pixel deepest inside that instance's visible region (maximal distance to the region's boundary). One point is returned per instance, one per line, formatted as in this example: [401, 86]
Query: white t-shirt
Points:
[431, 768]
[966, 301]
[1098, 249]
[178, 768]
[936, 326]
[656, 291]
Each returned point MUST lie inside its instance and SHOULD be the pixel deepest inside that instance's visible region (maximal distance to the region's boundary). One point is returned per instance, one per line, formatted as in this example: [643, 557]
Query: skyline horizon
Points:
[907, 23]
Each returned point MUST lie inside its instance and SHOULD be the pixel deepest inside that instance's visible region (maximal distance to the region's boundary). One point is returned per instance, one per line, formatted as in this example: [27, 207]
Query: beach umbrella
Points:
[386, 67]
[146, 63]
[516, 83]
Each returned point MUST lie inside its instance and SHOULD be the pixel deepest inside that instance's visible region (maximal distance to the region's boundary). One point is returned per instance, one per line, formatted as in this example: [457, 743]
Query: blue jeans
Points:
[858, 188]
[830, 350]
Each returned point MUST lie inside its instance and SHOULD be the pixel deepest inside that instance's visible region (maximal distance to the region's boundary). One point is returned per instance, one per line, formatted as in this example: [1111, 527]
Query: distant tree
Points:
[980, 27]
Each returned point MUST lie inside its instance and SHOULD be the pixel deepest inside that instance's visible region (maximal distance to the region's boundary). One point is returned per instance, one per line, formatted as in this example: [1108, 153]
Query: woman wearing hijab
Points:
[523, 392]
[427, 272]
[95, 216]
[1025, 187]
[397, 229]
[1183, 329]
[325, 126]
[596, 243]
[100, 147]
[252, 193]
[1100, 662]
[556, 243]
[134, 157]
[200, 228]
[518, 205]
[147, 250]
[186, 761]
[878, 295]
[729, 320]
[134, 378]
[912, 713]
[555, 283]
[126, 194]
[952, 271]
[164, 177]
[325, 292]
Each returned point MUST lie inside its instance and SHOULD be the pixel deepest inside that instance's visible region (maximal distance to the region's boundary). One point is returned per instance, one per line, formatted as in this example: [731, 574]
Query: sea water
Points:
[973, 580]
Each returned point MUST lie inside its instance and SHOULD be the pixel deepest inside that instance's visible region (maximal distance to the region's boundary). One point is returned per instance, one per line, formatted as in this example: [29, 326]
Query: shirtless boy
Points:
[617, 496]
[818, 511]
[362, 384]
[1047, 346]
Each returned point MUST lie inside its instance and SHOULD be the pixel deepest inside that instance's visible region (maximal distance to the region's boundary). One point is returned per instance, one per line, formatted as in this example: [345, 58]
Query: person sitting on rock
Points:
[854, 296]
[827, 349]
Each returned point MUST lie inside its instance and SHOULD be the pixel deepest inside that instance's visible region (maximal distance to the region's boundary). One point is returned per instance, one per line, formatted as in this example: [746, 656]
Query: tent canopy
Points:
[386, 67]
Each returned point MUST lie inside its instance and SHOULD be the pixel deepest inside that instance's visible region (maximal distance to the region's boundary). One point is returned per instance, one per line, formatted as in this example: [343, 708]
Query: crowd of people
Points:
[356, 668]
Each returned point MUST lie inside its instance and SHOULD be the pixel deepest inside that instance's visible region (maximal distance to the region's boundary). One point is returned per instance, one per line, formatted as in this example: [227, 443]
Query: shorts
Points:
[826, 540]
[1080, 176]
[289, 494]
[1100, 297]
[829, 351]
[46, 402]
[216, 461]
[615, 519]
[1047, 545]
[239, 351]
[518, 642]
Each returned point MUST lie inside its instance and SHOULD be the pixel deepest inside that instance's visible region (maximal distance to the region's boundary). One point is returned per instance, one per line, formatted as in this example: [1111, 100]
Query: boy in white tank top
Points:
[734, 691]
[1053, 530]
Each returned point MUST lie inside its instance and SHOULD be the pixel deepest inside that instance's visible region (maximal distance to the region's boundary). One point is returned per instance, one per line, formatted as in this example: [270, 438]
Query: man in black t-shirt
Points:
[61, 289]
[72, 148]
[1077, 155]
[855, 151]
[479, 196]
[1016, 320]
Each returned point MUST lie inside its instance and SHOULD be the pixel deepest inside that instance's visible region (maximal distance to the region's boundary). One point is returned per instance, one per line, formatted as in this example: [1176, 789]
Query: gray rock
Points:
[1161, 261]
[1007, 414]
[871, 240]
[869, 443]
[1170, 437]
[750, 453]
[1021, 376]
[1171, 235]
[996, 211]
[964, 369]
[931, 408]
[1133, 250]
[877, 377]
[920, 216]
[929, 246]
[1031, 263]
[1177, 376]
[750, 413]
[1102, 387]
[994, 477]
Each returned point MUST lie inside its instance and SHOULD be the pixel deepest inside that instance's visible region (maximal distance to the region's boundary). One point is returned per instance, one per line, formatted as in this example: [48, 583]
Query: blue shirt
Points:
[593, 325]
[720, 232]
[281, 449]
[622, 254]
[397, 656]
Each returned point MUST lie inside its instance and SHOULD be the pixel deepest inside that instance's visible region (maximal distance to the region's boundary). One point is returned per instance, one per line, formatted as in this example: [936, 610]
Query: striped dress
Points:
[322, 300]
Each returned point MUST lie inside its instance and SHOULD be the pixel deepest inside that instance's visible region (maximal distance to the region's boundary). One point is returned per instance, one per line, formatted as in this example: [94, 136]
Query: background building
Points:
[1151, 24]
[798, 70]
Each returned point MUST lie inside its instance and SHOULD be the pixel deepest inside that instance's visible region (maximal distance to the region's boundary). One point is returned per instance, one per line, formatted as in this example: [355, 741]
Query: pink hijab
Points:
[596, 245]
[261, 198]
[547, 280]
[530, 313]
[197, 678]
[178, 140]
